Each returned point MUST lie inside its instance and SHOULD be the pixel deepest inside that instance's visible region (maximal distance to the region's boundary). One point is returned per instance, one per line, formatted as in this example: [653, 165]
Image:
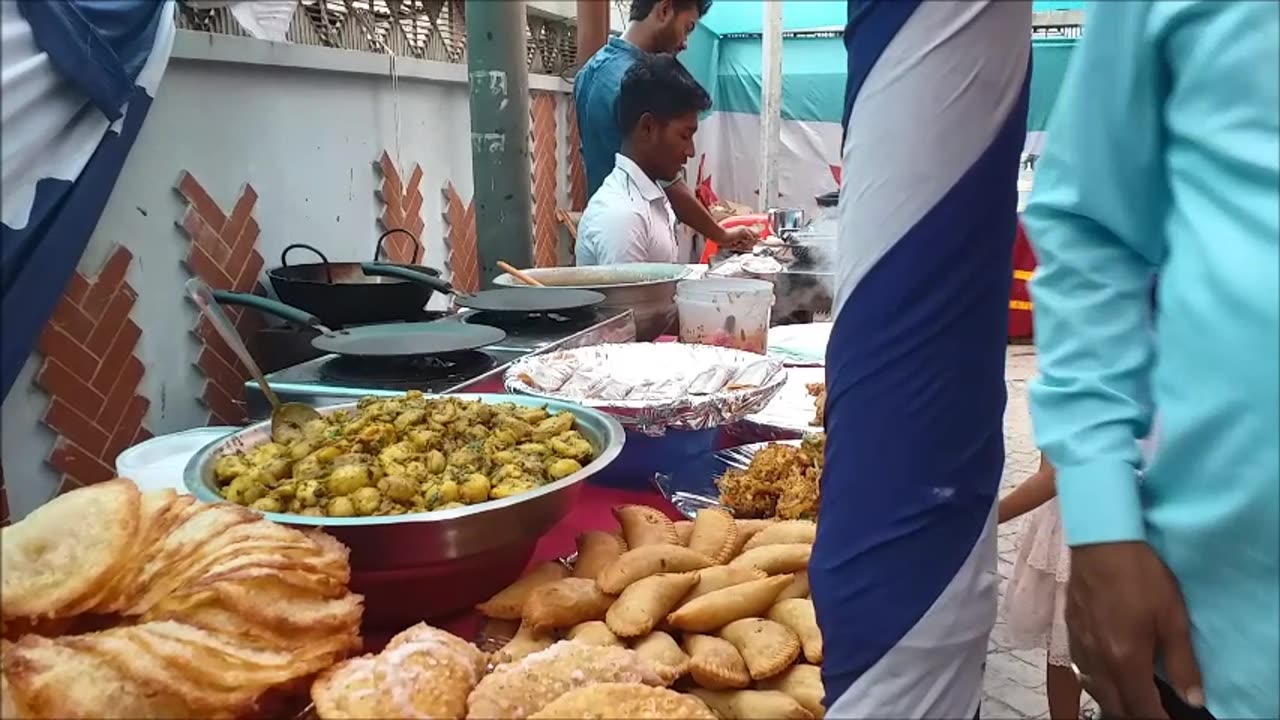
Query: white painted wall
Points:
[304, 126]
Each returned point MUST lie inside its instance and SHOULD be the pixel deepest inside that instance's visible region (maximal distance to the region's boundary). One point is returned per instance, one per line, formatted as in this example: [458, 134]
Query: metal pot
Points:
[647, 289]
[463, 549]
[782, 219]
[341, 294]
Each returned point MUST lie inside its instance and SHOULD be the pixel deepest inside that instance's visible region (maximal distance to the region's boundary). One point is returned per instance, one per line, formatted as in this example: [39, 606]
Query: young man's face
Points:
[677, 22]
[668, 145]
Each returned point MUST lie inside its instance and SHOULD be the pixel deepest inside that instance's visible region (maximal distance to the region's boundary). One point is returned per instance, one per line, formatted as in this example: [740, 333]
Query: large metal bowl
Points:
[647, 289]
[415, 540]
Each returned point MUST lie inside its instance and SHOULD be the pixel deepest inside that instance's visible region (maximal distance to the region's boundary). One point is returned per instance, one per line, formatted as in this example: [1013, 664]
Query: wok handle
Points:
[404, 273]
[379, 251]
[284, 255]
[270, 307]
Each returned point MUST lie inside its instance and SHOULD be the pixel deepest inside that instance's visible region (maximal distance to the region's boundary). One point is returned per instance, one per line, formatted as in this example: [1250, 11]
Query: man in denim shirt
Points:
[656, 26]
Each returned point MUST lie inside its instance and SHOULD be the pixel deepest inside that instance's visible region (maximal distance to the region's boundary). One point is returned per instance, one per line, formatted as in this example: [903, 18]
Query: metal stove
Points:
[333, 380]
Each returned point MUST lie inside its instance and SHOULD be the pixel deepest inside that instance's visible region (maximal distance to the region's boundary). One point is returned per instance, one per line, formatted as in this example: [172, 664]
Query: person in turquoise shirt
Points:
[655, 26]
[1163, 160]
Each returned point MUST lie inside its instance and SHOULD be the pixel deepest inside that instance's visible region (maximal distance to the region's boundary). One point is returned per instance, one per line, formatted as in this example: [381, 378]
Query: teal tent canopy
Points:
[729, 17]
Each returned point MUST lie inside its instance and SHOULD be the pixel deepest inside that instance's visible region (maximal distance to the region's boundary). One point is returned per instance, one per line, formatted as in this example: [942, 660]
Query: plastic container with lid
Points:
[729, 312]
[159, 463]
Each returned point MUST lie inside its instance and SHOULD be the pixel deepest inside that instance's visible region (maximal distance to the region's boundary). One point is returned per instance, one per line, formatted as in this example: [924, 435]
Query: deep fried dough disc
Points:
[67, 549]
[423, 672]
[624, 701]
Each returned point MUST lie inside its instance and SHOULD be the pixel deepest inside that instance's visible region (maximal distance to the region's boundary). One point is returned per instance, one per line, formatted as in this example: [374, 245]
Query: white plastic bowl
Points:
[158, 463]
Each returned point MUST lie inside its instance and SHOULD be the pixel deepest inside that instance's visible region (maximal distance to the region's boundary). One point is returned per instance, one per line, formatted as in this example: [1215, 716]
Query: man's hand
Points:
[1125, 611]
[738, 238]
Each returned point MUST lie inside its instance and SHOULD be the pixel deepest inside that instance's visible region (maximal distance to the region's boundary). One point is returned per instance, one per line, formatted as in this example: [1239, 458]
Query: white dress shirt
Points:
[629, 219]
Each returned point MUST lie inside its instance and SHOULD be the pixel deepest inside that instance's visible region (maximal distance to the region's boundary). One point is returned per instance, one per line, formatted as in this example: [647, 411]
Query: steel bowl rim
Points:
[615, 437]
[506, 280]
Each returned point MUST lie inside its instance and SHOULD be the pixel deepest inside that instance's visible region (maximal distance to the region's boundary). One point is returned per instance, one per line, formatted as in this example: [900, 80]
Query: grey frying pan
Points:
[502, 300]
[385, 340]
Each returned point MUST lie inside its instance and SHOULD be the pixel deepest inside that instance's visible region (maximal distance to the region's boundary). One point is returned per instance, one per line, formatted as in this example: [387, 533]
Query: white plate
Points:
[803, 345]
[792, 408]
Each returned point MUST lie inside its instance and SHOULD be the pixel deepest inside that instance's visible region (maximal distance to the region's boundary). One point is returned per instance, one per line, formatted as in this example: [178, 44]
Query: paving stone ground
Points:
[1014, 686]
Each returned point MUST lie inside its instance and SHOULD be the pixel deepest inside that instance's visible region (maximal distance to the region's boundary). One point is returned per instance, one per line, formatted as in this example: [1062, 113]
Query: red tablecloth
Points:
[592, 512]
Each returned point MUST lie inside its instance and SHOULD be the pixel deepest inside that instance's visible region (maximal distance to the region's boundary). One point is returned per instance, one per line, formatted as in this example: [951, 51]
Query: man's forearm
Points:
[690, 211]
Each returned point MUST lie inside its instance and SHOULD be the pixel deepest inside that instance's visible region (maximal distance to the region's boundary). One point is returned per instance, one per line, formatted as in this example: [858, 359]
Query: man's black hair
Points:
[659, 85]
[640, 9]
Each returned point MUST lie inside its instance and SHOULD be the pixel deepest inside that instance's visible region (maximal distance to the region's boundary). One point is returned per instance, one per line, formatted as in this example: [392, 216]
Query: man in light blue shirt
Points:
[1163, 160]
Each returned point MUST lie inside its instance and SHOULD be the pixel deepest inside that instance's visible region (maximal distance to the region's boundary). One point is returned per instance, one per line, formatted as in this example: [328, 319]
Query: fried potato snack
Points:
[644, 603]
[641, 562]
[508, 604]
[714, 610]
[565, 603]
[643, 525]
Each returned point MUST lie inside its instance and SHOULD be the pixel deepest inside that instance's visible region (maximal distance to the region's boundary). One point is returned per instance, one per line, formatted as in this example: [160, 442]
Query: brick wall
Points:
[546, 232]
[91, 373]
[401, 210]
[223, 253]
[460, 240]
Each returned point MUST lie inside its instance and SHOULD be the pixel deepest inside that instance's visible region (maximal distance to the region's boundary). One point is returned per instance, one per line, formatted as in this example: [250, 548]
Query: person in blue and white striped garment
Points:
[904, 568]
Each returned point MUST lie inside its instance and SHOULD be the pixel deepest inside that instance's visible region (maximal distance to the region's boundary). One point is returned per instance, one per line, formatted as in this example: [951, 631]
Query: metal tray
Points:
[693, 487]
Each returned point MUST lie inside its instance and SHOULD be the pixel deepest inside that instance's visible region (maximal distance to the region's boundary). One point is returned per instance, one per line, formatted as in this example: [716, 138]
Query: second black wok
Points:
[502, 300]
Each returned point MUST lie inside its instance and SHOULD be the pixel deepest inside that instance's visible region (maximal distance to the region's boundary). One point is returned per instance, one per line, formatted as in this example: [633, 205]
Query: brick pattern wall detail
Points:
[401, 210]
[91, 372]
[577, 170]
[542, 112]
[223, 253]
[460, 241]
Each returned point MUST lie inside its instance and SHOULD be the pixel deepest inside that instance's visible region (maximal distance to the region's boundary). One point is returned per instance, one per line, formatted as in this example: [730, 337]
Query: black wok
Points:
[503, 300]
[388, 340]
[342, 294]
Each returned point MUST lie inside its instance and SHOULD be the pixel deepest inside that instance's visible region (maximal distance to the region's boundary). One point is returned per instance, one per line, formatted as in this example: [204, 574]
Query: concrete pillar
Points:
[498, 74]
[593, 27]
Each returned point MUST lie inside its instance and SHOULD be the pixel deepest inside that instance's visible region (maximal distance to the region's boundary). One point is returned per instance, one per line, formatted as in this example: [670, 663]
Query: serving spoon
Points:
[287, 419]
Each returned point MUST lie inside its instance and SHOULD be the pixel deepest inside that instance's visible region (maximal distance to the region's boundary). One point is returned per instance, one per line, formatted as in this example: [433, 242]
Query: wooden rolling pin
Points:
[520, 275]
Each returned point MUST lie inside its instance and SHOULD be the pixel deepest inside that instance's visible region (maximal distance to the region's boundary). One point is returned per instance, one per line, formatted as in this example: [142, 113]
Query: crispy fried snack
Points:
[423, 672]
[804, 684]
[770, 704]
[198, 610]
[818, 391]
[781, 482]
[768, 647]
[644, 603]
[508, 604]
[624, 701]
[798, 614]
[520, 689]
